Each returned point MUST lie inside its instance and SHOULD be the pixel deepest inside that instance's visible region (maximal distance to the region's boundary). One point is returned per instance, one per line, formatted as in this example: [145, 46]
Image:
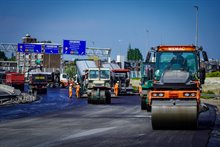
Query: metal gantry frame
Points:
[8, 47]
[90, 51]
[102, 53]
[99, 52]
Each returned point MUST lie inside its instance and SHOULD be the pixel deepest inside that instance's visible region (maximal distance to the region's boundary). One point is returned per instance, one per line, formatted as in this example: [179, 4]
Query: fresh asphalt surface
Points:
[53, 120]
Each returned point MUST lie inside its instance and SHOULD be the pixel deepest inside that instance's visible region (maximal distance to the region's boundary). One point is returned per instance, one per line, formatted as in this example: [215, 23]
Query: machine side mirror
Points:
[148, 57]
[202, 75]
[205, 57]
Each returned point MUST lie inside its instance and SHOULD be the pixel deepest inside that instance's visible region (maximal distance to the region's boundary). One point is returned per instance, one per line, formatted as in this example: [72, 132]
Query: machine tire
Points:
[108, 100]
[89, 100]
[143, 104]
[108, 97]
[165, 115]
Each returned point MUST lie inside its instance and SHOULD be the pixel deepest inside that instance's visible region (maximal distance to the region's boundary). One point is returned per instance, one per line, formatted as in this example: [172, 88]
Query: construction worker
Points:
[116, 88]
[70, 90]
[140, 89]
[77, 90]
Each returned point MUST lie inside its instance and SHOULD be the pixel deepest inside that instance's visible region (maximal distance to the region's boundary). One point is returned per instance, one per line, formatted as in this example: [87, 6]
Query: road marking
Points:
[89, 132]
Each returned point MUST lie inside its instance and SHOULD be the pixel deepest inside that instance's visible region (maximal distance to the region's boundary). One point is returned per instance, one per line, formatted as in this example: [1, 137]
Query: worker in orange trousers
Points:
[116, 88]
[70, 91]
[77, 90]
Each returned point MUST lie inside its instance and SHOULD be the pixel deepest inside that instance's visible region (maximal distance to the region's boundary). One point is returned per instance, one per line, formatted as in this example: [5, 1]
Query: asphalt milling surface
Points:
[55, 121]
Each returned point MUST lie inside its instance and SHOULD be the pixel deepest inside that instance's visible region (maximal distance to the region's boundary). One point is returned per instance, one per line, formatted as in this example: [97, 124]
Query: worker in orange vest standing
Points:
[77, 90]
[140, 89]
[116, 88]
[70, 90]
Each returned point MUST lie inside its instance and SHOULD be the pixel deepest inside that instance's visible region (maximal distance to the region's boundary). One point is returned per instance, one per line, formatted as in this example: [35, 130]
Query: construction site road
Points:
[56, 121]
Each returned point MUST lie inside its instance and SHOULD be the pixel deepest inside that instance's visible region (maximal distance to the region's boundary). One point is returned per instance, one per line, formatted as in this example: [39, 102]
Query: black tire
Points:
[45, 90]
[108, 98]
[89, 101]
[145, 106]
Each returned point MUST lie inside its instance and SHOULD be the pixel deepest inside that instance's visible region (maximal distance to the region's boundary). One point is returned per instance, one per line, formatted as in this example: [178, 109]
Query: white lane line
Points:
[87, 133]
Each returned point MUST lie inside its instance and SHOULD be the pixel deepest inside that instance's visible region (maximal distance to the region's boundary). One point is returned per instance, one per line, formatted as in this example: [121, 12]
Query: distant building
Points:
[49, 62]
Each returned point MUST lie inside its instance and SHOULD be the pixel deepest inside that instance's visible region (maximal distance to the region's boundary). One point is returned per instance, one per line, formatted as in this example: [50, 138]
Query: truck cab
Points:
[37, 82]
[64, 80]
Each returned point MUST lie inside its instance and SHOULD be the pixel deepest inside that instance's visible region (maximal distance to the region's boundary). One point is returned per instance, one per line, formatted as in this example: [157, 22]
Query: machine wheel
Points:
[145, 106]
[108, 97]
[89, 100]
[174, 114]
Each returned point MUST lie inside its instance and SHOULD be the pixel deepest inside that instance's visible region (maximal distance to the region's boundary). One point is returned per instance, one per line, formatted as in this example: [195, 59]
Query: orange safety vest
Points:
[77, 91]
[140, 89]
[77, 88]
[116, 89]
[70, 91]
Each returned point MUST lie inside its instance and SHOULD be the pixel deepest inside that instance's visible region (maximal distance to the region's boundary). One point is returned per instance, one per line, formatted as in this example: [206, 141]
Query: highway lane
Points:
[59, 122]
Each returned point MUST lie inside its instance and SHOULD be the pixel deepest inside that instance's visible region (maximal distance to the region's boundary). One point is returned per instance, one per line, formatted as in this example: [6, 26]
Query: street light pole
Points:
[147, 43]
[196, 36]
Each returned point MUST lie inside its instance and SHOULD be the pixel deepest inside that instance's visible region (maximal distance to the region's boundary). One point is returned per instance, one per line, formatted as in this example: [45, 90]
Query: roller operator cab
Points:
[175, 95]
[98, 88]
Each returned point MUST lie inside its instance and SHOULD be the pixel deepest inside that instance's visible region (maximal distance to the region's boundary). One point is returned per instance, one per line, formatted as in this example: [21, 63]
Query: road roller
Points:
[175, 94]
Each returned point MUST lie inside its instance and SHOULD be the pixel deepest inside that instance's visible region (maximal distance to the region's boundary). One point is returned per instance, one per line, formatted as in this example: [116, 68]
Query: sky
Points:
[114, 23]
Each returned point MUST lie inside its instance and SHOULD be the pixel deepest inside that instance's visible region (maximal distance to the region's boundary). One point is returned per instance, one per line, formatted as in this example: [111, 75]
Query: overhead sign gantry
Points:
[29, 48]
[74, 47]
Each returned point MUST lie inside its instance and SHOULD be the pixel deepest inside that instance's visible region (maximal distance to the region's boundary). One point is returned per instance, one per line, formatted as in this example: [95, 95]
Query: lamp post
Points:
[147, 31]
[93, 43]
[196, 36]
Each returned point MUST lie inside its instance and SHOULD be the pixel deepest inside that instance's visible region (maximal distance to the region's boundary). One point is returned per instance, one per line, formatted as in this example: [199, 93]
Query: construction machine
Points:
[82, 66]
[99, 88]
[174, 98]
[121, 76]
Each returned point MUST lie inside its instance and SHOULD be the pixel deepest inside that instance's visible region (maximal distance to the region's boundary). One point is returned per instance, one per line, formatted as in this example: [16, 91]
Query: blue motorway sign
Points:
[74, 47]
[51, 49]
[29, 48]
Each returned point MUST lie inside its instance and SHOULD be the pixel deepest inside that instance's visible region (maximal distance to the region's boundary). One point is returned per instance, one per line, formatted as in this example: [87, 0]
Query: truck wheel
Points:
[45, 91]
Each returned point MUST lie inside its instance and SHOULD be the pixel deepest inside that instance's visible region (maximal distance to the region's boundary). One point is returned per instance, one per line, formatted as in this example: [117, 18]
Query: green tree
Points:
[13, 57]
[134, 55]
[2, 56]
[70, 69]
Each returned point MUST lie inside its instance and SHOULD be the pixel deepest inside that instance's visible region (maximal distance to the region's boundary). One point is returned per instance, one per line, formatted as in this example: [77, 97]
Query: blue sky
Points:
[113, 23]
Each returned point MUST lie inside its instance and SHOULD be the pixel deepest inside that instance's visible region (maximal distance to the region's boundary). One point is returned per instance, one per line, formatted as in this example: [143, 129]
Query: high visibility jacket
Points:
[77, 88]
[70, 91]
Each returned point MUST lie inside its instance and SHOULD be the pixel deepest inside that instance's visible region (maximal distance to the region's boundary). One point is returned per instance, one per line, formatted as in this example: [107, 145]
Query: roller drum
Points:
[174, 114]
